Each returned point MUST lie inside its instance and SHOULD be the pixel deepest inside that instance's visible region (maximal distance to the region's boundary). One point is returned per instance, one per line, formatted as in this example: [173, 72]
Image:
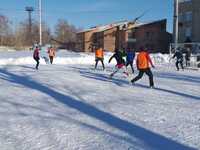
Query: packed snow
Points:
[71, 106]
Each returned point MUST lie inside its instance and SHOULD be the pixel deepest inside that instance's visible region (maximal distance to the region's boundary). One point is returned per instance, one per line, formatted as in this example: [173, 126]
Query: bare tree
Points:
[65, 32]
[23, 38]
[46, 33]
[5, 31]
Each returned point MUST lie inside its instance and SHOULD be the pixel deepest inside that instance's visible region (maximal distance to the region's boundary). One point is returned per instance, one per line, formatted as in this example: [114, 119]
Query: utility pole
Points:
[30, 10]
[40, 20]
[176, 3]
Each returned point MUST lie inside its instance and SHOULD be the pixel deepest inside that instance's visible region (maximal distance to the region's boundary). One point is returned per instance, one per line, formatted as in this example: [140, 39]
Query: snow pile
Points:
[160, 59]
[3, 48]
[64, 58]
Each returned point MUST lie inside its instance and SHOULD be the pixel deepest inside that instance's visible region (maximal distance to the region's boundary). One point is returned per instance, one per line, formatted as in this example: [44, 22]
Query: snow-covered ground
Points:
[69, 106]
[63, 58]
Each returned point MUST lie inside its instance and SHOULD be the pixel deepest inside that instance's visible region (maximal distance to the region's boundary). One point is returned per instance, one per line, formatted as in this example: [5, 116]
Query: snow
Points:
[70, 106]
[63, 58]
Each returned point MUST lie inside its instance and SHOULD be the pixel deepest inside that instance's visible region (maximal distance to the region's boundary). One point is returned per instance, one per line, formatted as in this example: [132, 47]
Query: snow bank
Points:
[160, 59]
[4, 48]
[64, 58]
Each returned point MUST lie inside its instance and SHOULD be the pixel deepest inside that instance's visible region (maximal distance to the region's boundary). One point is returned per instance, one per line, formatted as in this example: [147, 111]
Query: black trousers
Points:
[101, 60]
[51, 59]
[37, 62]
[187, 62]
[131, 64]
[141, 73]
[181, 64]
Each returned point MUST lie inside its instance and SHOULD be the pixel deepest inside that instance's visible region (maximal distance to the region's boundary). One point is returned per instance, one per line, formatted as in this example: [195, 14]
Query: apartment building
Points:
[189, 21]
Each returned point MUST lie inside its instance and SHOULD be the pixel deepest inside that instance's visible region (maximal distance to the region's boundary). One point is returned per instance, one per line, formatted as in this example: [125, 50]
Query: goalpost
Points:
[191, 53]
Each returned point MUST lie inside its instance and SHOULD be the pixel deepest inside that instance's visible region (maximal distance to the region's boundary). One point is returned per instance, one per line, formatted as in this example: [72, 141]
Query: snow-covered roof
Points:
[109, 26]
[149, 22]
[87, 30]
[120, 23]
[105, 27]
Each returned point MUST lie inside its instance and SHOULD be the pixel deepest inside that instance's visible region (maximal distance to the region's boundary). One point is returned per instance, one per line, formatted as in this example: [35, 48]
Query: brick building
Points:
[84, 40]
[109, 37]
[152, 35]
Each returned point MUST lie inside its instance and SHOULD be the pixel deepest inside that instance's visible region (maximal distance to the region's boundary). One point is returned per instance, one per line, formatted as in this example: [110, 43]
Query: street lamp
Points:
[40, 20]
[29, 10]
[176, 2]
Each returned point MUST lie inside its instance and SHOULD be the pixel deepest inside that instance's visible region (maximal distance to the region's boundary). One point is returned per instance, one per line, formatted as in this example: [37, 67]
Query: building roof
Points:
[105, 27]
[150, 22]
[109, 26]
[87, 30]
[121, 24]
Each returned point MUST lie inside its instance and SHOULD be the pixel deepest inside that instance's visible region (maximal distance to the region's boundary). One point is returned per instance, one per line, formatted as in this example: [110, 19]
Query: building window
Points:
[188, 16]
[147, 35]
[185, 17]
[182, 1]
[181, 17]
[188, 32]
[163, 27]
[130, 35]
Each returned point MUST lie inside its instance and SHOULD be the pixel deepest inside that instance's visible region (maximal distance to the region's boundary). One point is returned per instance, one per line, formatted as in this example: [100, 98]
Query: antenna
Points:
[140, 16]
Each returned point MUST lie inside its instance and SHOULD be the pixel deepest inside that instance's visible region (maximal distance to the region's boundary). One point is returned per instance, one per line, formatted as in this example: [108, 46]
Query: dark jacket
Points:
[130, 56]
[178, 55]
[36, 54]
[118, 57]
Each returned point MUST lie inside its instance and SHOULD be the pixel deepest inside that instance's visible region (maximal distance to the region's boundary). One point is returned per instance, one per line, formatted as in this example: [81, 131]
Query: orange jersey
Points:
[52, 52]
[99, 53]
[143, 60]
